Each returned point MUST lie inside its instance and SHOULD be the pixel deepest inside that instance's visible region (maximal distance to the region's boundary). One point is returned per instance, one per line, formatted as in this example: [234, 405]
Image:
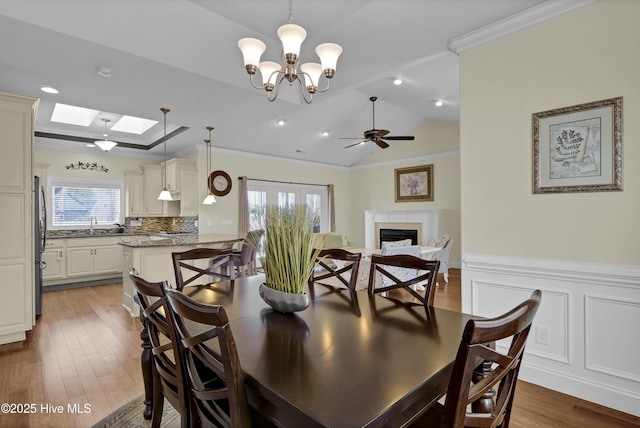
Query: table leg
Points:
[486, 403]
[147, 369]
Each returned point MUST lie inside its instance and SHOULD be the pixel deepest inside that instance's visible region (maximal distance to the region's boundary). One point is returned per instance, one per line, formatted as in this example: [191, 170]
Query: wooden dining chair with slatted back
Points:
[202, 266]
[208, 347]
[166, 362]
[476, 345]
[334, 275]
[398, 276]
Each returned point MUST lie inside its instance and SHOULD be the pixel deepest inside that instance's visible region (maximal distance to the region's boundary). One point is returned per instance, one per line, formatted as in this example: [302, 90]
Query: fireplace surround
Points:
[425, 222]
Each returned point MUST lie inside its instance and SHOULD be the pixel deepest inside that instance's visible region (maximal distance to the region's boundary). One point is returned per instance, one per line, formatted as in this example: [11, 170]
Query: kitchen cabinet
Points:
[181, 182]
[134, 194]
[153, 184]
[54, 256]
[93, 256]
[17, 262]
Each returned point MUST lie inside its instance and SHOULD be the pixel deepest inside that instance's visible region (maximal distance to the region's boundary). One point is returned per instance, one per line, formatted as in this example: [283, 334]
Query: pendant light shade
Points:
[165, 195]
[105, 144]
[209, 199]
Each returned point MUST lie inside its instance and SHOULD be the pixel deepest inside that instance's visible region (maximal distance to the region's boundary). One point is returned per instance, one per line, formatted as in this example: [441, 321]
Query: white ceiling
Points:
[183, 55]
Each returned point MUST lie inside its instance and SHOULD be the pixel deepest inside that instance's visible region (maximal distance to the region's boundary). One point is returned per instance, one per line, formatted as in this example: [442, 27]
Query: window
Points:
[263, 193]
[74, 203]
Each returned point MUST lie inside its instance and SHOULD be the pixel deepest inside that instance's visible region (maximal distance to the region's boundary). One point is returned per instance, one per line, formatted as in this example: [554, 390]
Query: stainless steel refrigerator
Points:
[39, 239]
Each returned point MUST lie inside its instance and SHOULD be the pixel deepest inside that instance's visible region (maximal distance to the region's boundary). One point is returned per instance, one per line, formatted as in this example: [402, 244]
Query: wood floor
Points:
[85, 350]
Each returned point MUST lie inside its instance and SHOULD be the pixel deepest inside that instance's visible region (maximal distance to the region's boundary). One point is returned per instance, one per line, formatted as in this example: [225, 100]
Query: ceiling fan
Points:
[377, 136]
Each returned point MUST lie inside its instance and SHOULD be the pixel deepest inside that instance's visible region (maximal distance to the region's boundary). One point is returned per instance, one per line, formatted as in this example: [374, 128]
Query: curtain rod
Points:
[283, 182]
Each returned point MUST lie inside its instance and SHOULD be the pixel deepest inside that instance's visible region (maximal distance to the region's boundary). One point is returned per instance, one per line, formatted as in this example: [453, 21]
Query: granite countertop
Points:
[84, 234]
[189, 239]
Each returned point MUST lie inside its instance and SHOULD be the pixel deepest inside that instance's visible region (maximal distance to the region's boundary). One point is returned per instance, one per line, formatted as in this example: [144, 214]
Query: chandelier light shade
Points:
[209, 199]
[165, 195]
[105, 144]
[273, 74]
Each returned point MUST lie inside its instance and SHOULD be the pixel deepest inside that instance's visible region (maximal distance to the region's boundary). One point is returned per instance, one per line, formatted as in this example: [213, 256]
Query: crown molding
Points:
[513, 23]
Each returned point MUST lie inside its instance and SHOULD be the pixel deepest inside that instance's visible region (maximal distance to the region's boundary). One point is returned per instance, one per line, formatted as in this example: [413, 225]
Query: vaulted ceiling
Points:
[183, 54]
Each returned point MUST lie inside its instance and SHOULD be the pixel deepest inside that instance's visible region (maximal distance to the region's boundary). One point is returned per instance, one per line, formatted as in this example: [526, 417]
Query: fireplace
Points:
[387, 235]
[424, 222]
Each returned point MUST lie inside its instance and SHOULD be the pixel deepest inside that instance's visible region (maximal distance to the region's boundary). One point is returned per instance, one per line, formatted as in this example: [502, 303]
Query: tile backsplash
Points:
[163, 224]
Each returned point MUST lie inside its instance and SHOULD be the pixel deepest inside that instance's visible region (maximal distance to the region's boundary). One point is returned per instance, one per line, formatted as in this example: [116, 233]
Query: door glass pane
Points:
[286, 199]
[314, 203]
[257, 205]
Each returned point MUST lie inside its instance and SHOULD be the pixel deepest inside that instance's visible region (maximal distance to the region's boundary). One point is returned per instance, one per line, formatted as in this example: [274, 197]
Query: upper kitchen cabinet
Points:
[181, 182]
[153, 183]
[17, 116]
[134, 194]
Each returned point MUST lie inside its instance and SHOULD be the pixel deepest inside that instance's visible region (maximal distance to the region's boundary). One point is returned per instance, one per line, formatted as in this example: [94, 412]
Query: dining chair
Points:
[444, 244]
[167, 363]
[244, 259]
[194, 266]
[336, 276]
[384, 276]
[207, 345]
[464, 386]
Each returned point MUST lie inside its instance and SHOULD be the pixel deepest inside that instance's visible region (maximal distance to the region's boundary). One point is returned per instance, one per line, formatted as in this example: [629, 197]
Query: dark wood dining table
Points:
[368, 362]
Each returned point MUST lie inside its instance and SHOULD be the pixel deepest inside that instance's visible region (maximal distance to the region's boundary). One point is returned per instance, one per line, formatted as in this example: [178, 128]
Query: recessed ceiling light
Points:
[133, 125]
[49, 90]
[73, 115]
[104, 72]
[325, 133]
[90, 145]
[397, 81]
[281, 122]
[439, 103]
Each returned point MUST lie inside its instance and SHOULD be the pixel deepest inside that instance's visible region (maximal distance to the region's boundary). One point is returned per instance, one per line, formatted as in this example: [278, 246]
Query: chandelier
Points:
[273, 74]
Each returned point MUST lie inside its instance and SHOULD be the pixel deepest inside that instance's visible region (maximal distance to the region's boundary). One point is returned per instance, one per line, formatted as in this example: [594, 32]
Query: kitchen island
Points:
[150, 256]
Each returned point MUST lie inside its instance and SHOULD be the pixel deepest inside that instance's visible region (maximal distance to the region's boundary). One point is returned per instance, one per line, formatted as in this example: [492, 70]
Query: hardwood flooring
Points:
[85, 349]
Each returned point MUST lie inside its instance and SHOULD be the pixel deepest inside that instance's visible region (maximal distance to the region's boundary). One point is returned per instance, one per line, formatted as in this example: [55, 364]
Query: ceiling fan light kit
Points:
[273, 74]
[377, 136]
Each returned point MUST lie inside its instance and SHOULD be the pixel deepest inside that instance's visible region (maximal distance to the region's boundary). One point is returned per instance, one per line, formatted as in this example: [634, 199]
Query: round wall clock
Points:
[219, 183]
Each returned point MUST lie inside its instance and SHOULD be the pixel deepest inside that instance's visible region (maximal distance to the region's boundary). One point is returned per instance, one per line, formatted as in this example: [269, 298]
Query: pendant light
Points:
[209, 199]
[105, 144]
[165, 195]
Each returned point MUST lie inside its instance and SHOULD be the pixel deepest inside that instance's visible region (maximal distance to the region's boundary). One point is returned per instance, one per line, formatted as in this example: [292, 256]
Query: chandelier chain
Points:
[290, 11]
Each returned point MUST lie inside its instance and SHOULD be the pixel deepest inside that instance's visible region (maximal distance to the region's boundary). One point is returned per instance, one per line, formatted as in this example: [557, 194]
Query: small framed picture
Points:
[414, 184]
[578, 148]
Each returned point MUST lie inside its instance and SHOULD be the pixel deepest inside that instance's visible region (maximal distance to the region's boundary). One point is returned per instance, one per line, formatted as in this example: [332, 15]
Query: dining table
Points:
[366, 361]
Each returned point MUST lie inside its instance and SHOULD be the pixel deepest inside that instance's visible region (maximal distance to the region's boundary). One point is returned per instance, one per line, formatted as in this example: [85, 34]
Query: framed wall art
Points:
[578, 148]
[414, 184]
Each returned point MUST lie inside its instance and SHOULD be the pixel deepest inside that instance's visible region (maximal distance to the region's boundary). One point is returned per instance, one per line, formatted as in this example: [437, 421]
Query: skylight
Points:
[133, 125]
[73, 115]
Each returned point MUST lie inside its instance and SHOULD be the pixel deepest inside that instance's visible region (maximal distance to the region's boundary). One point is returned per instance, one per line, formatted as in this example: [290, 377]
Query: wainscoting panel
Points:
[611, 336]
[584, 340]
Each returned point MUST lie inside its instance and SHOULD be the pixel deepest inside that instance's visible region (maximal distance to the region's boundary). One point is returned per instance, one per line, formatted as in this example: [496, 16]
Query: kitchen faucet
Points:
[91, 224]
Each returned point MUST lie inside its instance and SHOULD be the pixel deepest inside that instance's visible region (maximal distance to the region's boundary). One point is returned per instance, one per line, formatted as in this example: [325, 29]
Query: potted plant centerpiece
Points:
[287, 256]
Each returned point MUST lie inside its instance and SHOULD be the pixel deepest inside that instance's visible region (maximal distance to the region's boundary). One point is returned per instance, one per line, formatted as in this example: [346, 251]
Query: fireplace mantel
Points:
[427, 218]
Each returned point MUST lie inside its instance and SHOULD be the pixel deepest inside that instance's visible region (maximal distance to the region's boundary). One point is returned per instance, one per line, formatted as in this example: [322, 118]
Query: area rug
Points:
[130, 416]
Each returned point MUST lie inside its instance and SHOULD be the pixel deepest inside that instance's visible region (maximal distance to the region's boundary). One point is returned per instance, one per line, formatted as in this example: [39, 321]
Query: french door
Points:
[263, 193]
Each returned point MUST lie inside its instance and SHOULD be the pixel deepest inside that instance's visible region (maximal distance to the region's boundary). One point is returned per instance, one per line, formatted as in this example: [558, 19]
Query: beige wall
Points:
[587, 55]
[372, 181]
[223, 215]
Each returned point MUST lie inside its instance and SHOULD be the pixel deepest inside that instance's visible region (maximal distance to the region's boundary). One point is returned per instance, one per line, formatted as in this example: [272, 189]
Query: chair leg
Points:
[158, 400]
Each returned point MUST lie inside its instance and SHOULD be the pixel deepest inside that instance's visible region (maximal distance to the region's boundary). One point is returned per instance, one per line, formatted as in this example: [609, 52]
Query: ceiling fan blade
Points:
[381, 143]
[381, 132]
[356, 144]
[402, 137]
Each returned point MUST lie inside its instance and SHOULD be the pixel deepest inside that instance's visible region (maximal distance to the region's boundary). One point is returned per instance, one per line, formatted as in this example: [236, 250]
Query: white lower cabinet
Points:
[81, 259]
[54, 257]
